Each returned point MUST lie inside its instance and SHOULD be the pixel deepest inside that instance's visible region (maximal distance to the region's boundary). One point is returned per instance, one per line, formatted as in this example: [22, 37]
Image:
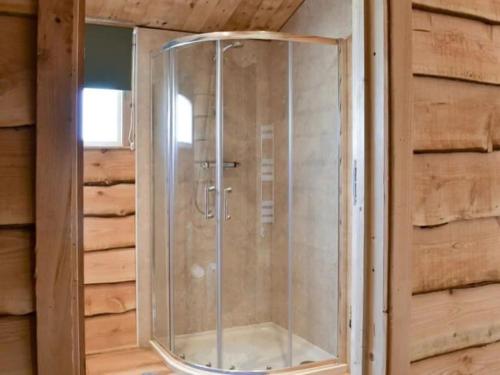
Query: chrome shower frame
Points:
[177, 363]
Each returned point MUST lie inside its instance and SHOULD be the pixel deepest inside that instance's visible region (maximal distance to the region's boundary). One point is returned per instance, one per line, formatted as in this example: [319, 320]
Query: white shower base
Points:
[253, 347]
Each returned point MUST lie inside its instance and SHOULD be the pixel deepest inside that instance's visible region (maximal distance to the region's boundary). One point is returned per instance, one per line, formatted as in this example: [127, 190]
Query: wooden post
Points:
[400, 171]
[59, 260]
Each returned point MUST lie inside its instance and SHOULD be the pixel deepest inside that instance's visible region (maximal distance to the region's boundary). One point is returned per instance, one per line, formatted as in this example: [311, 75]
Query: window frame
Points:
[124, 126]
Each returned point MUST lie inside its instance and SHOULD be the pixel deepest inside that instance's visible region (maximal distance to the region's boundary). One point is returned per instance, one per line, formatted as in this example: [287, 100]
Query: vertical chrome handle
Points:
[208, 213]
[227, 191]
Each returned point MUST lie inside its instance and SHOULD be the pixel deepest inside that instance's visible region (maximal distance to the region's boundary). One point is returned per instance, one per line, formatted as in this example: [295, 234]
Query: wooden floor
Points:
[136, 361]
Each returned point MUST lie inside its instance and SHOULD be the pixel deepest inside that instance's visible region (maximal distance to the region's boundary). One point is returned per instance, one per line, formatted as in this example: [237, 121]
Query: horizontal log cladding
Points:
[17, 66]
[455, 186]
[452, 47]
[109, 298]
[110, 332]
[17, 267]
[17, 175]
[455, 115]
[109, 266]
[446, 321]
[116, 200]
[472, 361]
[487, 10]
[17, 345]
[106, 167]
[456, 254]
[102, 233]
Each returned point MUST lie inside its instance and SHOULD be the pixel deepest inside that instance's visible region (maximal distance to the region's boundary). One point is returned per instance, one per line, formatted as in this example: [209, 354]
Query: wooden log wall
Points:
[455, 311]
[109, 244]
[18, 33]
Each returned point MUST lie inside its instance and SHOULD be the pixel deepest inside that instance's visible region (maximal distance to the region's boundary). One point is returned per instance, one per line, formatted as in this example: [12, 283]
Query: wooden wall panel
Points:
[488, 10]
[110, 332]
[197, 15]
[101, 233]
[109, 298]
[106, 167]
[19, 7]
[126, 362]
[116, 200]
[17, 267]
[457, 110]
[455, 115]
[452, 47]
[17, 345]
[17, 175]
[455, 186]
[109, 266]
[17, 67]
[473, 361]
[456, 254]
[447, 321]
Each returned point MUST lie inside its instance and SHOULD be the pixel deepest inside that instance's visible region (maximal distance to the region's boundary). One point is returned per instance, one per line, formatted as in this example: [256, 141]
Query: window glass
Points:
[102, 117]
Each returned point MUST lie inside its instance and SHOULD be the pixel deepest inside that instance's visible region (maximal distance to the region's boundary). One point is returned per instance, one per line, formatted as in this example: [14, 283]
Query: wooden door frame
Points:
[59, 174]
[59, 188]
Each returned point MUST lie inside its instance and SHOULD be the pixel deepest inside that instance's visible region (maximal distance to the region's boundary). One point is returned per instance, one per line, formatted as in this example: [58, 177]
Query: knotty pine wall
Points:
[17, 189]
[109, 249]
[455, 311]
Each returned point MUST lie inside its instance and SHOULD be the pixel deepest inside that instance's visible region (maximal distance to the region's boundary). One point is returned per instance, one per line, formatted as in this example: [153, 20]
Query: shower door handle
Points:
[227, 191]
[208, 190]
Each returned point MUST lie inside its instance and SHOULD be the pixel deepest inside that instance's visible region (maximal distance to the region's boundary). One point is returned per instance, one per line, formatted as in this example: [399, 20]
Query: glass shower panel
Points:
[193, 248]
[315, 160]
[254, 91]
[159, 70]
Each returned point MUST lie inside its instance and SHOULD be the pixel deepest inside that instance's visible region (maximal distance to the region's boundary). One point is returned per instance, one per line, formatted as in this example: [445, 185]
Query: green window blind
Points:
[108, 57]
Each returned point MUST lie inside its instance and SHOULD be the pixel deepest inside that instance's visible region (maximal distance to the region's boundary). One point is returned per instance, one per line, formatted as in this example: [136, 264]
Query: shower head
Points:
[236, 44]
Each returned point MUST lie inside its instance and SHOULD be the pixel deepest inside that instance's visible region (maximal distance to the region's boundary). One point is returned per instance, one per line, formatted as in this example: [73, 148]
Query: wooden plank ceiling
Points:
[196, 15]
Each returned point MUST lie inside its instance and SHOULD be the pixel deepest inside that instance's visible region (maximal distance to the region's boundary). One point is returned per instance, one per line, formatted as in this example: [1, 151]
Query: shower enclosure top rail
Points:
[248, 35]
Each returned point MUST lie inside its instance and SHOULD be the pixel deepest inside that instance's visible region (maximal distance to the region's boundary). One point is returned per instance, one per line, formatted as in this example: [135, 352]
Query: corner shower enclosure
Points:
[246, 154]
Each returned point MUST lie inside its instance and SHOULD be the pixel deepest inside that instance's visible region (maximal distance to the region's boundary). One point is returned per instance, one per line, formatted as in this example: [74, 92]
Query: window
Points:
[102, 117]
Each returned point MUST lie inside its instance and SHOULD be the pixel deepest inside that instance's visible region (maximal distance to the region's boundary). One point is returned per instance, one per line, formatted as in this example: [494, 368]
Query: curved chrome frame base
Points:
[184, 368]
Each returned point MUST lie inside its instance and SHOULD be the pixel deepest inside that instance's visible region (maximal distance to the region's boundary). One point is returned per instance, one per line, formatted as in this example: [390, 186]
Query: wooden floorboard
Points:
[136, 361]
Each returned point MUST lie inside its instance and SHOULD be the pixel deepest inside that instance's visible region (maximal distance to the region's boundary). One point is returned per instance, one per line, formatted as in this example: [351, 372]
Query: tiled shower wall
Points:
[315, 155]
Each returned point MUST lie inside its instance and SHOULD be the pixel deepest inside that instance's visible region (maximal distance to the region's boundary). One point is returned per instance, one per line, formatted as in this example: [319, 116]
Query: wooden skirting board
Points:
[126, 362]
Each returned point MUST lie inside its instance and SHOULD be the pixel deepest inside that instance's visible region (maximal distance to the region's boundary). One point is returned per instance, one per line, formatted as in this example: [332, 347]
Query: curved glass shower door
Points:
[193, 195]
[246, 194]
